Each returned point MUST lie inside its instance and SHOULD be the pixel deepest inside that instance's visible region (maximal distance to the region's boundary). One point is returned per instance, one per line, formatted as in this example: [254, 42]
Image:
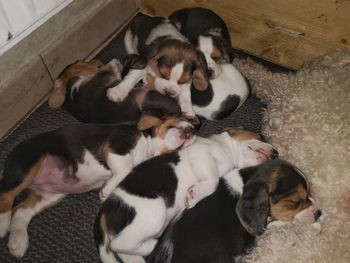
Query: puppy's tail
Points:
[102, 241]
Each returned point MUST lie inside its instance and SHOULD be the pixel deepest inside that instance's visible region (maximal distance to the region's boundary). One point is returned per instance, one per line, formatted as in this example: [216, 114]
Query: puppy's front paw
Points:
[191, 198]
[117, 68]
[117, 94]
[18, 243]
[105, 192]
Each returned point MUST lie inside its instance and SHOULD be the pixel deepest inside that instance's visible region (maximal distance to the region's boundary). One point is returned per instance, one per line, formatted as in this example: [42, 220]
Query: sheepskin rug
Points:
[308, 120]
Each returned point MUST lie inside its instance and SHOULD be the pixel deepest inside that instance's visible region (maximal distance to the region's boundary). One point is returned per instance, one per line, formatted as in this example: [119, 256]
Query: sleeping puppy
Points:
[171, 62]
[156, 191]
[225, 94]
[227, 89]
[76, 159]
[208, 32]
[81, 89]
[223, 226]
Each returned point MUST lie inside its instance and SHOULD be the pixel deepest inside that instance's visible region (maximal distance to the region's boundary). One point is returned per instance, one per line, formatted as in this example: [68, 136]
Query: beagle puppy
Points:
[76, 159]
[225, 94]
[227, 89]
[82, 86]
[171, 62]
[209, 33]
[159, 189]
[223, 226]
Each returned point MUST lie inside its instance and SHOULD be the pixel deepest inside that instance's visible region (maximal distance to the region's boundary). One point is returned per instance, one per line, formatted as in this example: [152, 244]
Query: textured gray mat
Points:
[64, 233]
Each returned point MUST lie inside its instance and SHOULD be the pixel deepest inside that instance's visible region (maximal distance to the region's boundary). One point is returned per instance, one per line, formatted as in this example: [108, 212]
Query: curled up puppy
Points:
[133, 217]
[171, 62]
[76, 159]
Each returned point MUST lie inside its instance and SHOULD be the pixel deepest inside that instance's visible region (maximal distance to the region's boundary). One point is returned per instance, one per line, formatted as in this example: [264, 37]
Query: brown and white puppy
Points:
[157, 190]
[82, 86]
[172, 63]
[223, 226]
[209, 33]
[76, 159]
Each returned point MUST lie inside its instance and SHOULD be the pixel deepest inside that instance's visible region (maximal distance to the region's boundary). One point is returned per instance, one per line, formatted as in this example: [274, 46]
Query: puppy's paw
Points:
[105, 192]
[18, 243]
[5, 219]
[191, 198]
[117, 67]
[117, 93]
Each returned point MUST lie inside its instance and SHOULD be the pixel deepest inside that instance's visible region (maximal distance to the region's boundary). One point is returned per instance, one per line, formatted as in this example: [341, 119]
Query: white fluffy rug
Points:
[308, 120]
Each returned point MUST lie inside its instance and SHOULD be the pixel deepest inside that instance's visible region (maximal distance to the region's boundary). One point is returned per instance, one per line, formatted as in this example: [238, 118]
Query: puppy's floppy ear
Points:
[200, 78]
[147, 122]
[58, 94]
[253, 207]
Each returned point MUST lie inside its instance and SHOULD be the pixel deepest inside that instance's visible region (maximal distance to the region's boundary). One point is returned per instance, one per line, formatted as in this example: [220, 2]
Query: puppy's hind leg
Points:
[139, 237]
[23, 213]
[12, 183]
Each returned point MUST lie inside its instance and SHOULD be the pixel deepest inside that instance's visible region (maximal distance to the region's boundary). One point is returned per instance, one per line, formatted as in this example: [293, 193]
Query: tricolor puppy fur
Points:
[227, 89]
[77, 159]
[223, 226]
[208, 32]
[82, 86]
[172, 63]
[139, 209]
[225, 94]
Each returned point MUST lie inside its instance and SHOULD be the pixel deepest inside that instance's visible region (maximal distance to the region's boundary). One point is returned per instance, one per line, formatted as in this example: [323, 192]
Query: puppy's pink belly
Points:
[55, 176]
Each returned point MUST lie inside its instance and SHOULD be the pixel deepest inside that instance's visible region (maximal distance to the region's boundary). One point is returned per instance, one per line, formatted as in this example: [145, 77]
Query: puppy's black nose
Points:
[317, 214]
[274, 154]
[210, 73]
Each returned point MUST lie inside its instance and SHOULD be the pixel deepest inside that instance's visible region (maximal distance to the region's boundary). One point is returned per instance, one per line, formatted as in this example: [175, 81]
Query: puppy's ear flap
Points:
[148, 121]
[200, 79]
[58, 94]
[253, 207]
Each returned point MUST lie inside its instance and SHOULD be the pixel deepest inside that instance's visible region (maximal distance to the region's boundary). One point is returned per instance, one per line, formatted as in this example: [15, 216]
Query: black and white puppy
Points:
[208, 32]
[223, 226]
[171, 62]
[228, 89]
[156, 191]
[76, 159]
[82, 86]
[225, 94]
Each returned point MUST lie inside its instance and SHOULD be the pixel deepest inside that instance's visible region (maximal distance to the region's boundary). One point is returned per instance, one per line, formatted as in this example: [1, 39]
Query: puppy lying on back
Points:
[81, 89]
[171, 62]
[140, 208]
[223, 226]
[76, 159]
[227, 89]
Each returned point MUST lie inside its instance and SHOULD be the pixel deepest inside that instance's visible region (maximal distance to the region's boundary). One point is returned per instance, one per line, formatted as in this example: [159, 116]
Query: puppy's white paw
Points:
[5, 219]
[106, 190]
[18, 243]
[117, 67]
[117, 93]
[191, 198]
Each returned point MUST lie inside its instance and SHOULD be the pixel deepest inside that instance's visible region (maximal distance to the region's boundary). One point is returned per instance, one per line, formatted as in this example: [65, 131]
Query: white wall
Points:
[20, 17]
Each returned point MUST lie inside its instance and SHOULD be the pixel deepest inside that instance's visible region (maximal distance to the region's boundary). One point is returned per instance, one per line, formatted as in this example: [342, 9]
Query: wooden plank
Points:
[287, 33]
[22, 94]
